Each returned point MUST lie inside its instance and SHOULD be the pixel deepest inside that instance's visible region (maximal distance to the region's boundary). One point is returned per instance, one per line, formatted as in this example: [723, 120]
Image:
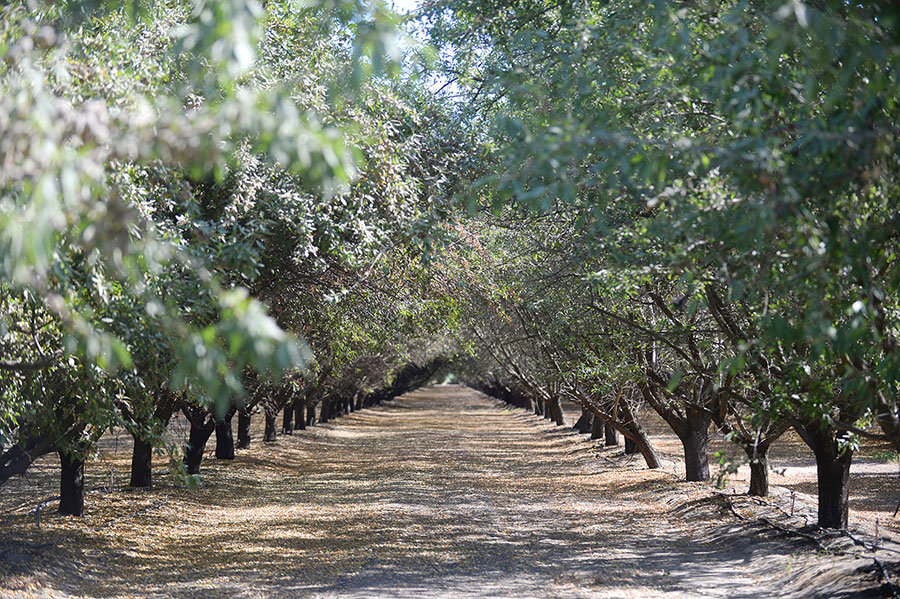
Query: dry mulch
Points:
[442, 493]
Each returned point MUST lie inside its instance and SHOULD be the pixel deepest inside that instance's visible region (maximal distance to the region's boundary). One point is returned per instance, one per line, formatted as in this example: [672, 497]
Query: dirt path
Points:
[442, 493]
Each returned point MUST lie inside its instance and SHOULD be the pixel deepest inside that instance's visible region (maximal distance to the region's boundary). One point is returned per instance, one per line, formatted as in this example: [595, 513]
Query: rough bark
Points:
[243, 429]
[633, 430]
[832, 473]
[299, 407]
[71, 485]
[597, 428]
[612, 437]
[556, 412]
[834, 491]
[583, 424]
[141, 463]
[691, 426]
[201, 430]
[759, 475]
[529, 404]
[311, 414]
[270, 434]
[631, 447]
[224, 439]
[142, 452]
[287, 422]
[695, 440]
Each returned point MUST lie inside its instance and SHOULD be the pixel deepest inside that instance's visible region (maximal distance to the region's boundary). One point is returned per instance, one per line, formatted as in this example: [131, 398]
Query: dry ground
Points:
[442, 493]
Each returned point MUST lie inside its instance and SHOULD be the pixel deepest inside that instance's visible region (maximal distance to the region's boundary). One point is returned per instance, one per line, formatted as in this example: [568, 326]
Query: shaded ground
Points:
[874, 480]
[442, 493]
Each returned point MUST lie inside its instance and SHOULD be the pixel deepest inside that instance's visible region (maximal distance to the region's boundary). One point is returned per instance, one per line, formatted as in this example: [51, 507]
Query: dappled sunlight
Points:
[437, 494]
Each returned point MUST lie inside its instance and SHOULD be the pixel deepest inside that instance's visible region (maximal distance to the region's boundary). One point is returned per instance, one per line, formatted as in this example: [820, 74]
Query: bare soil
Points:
[441, 493]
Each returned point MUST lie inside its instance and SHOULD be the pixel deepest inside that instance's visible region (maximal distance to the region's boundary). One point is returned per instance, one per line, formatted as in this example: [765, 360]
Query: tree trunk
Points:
[834, 492]
[299, 407]
[287, 423]
[224, 439]
[19, 456]
[647, 451]
[583, 424]
[324, 411]
[311, 414]
[556, 412]
[638, 435]
[71, 485]
[141, 464]
[759, 474]
[197, 438]
[528, 404]
[833, 477]
[271, 428]
[631, 447]
[547, 410]
[695, 439]
[538, 407]
[597, 428]
[612, 436]
[243, 430]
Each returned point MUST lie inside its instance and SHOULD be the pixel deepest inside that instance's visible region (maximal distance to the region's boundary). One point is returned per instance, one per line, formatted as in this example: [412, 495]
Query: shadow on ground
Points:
[442, 493]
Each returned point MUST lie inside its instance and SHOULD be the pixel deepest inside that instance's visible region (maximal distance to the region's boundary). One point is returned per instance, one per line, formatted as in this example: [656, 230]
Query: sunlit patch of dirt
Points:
[442, 493]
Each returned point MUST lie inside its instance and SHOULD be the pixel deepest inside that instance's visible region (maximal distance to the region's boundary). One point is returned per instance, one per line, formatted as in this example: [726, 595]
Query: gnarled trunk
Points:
[71, 485]
[311, 413]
